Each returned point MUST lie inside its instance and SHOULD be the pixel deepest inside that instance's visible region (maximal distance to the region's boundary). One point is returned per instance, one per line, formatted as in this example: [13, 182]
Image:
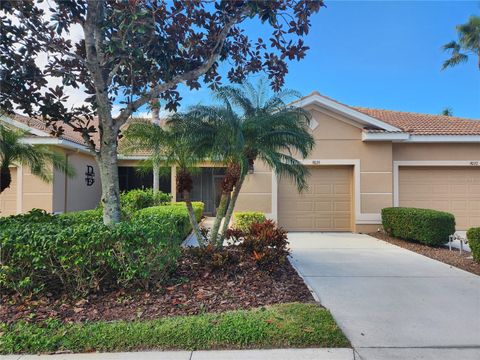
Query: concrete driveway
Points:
[391, 303]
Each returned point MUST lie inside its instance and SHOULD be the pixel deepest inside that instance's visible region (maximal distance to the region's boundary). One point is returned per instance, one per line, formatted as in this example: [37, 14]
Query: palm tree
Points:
[38, 158]
[251, 126]
[144, 135]
[179, 144]
[468, 43]
[447, 111]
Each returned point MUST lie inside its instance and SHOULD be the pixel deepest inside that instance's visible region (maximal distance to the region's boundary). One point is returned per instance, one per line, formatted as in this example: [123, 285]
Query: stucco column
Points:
[173, 187]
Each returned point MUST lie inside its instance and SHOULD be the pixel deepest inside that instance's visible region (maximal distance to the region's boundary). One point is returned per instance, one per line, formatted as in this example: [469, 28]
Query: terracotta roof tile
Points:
[425, 124]
[69, 133]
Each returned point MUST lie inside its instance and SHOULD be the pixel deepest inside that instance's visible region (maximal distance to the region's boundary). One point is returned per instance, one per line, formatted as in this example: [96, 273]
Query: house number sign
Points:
[475, 163]
[89, 176]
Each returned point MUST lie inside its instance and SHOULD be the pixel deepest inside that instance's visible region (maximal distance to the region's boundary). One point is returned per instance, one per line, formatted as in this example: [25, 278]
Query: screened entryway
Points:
[207, 187]
[130, 178]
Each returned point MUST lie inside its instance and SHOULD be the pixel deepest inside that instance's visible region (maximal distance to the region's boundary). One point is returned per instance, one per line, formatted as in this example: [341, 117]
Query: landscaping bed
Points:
[463, 261]
[193, 289]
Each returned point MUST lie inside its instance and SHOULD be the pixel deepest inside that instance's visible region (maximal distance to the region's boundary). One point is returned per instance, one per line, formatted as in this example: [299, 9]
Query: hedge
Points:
[177, 212]
[429, 227]
[244, 219]
[137, 199]
[473, 236]
[76, 252]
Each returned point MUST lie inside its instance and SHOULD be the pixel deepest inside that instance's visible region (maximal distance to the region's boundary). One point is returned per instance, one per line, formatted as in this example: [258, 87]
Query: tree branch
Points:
[190, 75]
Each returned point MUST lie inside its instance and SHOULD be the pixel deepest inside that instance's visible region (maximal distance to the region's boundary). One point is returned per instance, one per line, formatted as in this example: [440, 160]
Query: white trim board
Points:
[407, 138]
[23, 126]
[316, 98]
[67, 144]
[405, 163]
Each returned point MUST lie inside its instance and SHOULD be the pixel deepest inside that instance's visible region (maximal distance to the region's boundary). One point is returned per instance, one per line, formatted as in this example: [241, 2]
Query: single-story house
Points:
[364, 160]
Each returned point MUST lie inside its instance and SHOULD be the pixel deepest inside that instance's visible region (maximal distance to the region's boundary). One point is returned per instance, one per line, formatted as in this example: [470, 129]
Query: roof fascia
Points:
[345, 110]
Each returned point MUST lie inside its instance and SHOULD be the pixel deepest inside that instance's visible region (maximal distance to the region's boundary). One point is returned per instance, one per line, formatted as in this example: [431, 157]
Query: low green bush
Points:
[244, 219]
[76, 252]
[137, 199]
[473, 236]
[429, 227]
[83, 216]
[198, 208]
[175, 212]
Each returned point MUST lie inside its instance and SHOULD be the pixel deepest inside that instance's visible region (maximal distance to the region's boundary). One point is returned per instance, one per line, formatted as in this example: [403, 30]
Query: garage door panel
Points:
[329, 197]
[452, 189]
[343, 206]
[323, 206]
[474, 189]
[439, 189]
[321, 189]
[342, 189]
[343, 224]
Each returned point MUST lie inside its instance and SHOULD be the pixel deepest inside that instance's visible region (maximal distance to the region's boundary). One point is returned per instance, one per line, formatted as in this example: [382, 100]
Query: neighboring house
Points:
[364, 160]
[27, 191]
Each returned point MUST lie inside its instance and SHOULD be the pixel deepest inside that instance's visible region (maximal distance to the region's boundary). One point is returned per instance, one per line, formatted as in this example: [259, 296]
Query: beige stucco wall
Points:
[73, 194]
[8, 198]
[256, 193]
[445, 151]
[36, 194]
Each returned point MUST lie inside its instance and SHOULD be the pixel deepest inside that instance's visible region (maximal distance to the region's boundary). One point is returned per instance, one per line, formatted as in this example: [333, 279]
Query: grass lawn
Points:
[277, 326]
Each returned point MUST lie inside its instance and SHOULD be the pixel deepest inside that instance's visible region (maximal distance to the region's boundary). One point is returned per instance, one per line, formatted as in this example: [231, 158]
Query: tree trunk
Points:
[193, 219]
[108, 164]
[231, 206]
[222, 208]
[156, 178]
[5, 178]
[155, 106]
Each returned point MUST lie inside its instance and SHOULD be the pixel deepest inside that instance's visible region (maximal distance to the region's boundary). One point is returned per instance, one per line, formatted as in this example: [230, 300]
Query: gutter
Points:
[408, 138]
[67, 144]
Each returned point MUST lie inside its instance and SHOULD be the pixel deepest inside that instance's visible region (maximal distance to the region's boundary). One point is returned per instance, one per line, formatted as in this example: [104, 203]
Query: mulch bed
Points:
[196, 288]
[462, 261]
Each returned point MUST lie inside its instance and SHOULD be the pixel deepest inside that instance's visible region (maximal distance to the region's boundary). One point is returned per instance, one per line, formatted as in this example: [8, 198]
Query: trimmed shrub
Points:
[75, 252]
[198, 208]
[84, 215]
[473, 236]
[244, 219]
[137, 199]
[176, 212]
[429, 227]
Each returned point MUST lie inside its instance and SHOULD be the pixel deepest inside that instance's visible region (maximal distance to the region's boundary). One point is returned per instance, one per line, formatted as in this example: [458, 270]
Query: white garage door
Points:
[452, 189]
[325, 206]
[8, 198]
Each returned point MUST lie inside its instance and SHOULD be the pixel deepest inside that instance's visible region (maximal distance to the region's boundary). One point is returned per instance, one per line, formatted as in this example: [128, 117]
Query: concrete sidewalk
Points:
[390, 302]
[273, 354]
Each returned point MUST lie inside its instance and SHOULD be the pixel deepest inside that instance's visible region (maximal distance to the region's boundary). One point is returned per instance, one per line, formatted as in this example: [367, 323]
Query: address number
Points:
[475, 163]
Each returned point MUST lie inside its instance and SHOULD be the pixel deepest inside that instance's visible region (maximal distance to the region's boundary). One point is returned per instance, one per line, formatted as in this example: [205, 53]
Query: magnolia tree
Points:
[129, 53]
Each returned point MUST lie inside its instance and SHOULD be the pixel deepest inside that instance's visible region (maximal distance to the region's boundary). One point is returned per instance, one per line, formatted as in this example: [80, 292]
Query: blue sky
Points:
[385, 55]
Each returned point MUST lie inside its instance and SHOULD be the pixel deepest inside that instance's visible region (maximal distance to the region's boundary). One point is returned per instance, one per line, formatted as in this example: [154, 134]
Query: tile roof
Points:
[415, 123]
[412, 123]
[69, 134]
[424, 124]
